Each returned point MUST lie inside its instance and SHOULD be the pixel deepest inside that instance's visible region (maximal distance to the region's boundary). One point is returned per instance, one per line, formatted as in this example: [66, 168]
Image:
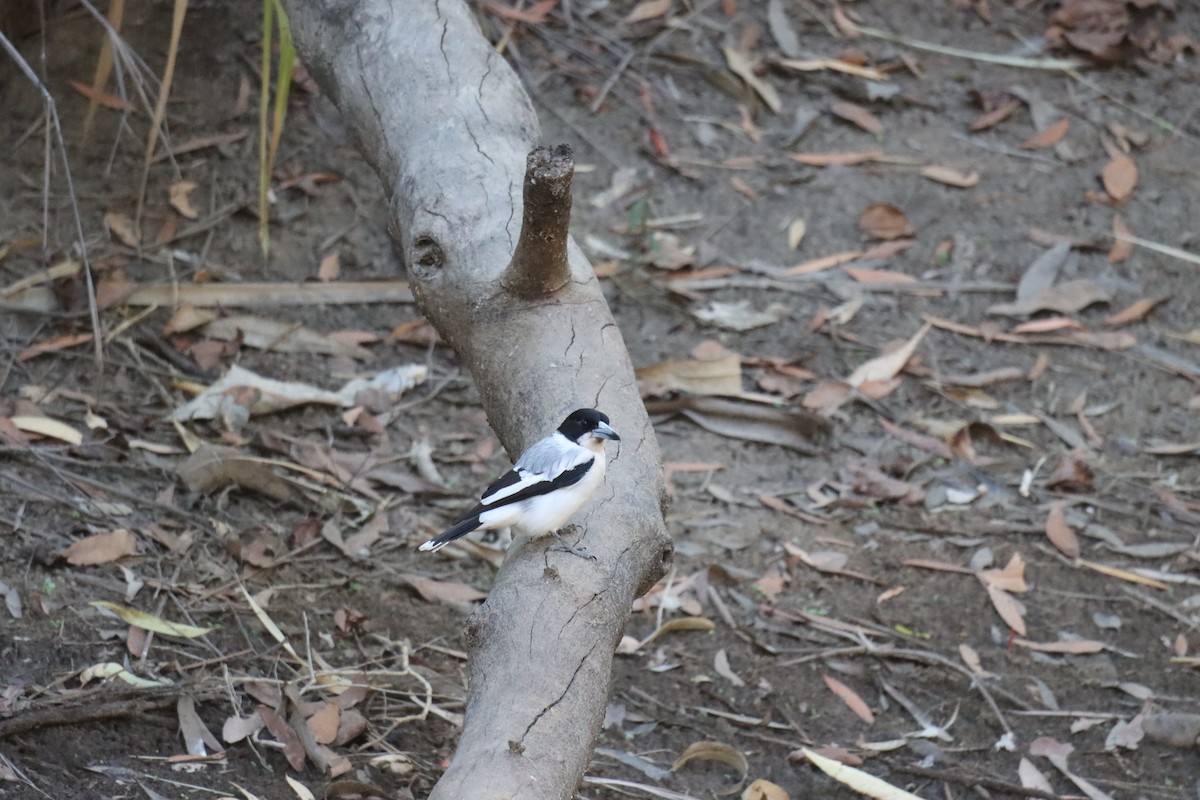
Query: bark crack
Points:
[566, 690]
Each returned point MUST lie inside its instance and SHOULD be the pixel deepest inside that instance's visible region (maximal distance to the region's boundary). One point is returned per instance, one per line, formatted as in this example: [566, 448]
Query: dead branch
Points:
[539, 266]
[447, 126]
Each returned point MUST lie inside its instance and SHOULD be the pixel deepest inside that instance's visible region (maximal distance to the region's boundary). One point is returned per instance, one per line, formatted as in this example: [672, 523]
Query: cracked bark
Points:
[447, 126]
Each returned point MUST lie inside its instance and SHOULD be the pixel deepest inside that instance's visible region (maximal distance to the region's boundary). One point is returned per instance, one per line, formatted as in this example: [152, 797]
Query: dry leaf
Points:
[1121, 248]
[804, 432]
[1073, 647]
[763, 789]
[324, 723]
[740, 315]
[54, 345]
[713, 751]
[1048, 136]
[887, 366]
[851, 698]
[450, 592]
[879, 276]
[281, 337]
[1134, 312]
[993, 117]
[1008, 607]
[214, 467]
[102, 548]
[1120, 177]
[845, 159]
[740, 65]
[856, 779]
[951, 176]
[150, 622]
[1066, 298]
[330, 268]
[716, 376]
[121, 226]
[1060, 534]
[647, 10]
[180, 198]
[1032, 777]
[859, 116]
[795, 233]
[884, 221]
[721, 665]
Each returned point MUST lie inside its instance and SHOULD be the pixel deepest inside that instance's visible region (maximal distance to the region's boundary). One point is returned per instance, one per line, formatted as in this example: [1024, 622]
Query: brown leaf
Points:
[951, 176]
[851, 698]
[1008, 608]
[1075, 646]
[180, 197]
[1048, 136]
[859, 116]
[647, 10]
[734, 419]
[884, 221]
[713, 751]
[214, 467]
[1072, 473]
[122, 227]
[330, 268]
[324, 723]
[879, 275]
[1065, 298]
[763, 789]
[435, 591]
[102, 548]
[846, 159]
[1134, 312]
[994, 117]
[1120, 176]
[1122, 248]
[887, 366]
[1060, 534]
[534, 15]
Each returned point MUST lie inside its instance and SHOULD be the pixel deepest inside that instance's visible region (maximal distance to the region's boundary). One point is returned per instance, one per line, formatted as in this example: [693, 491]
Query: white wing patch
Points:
[541, 463]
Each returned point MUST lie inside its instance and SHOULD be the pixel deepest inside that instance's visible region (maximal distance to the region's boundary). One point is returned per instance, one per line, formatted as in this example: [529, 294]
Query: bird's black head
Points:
[587, 422]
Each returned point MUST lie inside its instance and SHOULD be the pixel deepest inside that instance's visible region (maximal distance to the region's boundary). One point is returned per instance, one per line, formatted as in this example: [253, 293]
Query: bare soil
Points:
[712, 166]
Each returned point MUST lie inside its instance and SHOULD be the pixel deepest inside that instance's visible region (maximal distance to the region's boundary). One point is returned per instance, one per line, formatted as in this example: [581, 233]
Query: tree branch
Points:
[449, 142]
[539, 266]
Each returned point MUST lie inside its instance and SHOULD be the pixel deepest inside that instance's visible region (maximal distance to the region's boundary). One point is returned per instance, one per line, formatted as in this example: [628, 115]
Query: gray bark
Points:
[447, 126]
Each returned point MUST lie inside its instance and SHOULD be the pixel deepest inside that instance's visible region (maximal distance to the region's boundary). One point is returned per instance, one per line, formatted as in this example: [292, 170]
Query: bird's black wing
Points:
[517, 485]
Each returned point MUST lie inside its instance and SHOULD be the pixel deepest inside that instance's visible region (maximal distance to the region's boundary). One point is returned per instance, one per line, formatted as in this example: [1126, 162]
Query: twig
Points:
[1055, 64]
[81, 710]
[966, 779]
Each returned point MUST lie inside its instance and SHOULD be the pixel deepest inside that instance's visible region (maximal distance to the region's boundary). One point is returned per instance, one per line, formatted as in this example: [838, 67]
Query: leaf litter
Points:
[907, 461]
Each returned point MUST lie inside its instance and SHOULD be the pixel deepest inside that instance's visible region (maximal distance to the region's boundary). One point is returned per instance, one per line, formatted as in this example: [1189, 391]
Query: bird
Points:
[550, 482]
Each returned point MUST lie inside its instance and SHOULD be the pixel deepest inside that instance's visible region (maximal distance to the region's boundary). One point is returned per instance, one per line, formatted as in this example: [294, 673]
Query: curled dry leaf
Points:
[887, 366]
[763, 789]
[884, 221]
[122, 227]
[1120, 177]
[714, 751]
[951, 176]
[180, 197]
[856, 779]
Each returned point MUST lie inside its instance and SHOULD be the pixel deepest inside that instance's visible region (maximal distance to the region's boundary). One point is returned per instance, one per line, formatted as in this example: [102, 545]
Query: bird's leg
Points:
[573, 549]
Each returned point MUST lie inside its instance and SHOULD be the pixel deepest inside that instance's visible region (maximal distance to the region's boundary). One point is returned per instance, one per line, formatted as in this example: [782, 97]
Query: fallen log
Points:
[448, 127]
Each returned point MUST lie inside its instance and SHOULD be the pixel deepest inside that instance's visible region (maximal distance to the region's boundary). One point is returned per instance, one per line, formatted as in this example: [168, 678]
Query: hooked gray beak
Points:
[605, 431]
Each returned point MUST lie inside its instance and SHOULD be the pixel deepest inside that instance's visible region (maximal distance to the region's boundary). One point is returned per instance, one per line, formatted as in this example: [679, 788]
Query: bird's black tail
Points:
[460, 528]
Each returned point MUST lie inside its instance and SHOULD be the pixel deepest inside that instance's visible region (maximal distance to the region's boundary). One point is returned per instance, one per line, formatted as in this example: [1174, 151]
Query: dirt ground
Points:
[1040, 463]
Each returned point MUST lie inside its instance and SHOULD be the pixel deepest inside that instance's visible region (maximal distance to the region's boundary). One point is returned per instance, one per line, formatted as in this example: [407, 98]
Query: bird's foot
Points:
[573, 549]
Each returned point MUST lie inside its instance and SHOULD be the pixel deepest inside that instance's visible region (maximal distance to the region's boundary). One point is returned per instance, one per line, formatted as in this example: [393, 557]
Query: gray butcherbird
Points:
[550, 482]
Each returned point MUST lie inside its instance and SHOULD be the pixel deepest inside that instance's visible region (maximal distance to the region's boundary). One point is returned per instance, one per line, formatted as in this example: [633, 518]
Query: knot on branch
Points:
[539, 265]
